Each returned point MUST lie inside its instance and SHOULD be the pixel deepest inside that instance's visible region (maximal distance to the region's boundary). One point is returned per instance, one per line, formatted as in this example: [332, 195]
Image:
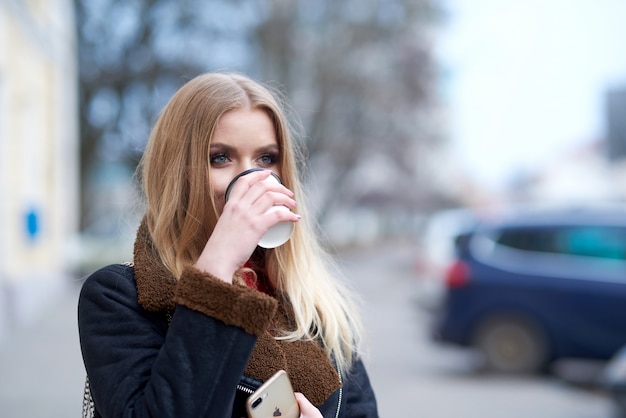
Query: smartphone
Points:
[274, 398]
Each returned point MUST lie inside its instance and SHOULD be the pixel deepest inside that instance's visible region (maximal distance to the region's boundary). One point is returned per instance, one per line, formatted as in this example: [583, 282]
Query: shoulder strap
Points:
[89, 410]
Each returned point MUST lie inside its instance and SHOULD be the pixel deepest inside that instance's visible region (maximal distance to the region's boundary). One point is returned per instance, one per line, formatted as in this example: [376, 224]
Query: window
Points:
[601, 242]
[529, 239]
[589, 241]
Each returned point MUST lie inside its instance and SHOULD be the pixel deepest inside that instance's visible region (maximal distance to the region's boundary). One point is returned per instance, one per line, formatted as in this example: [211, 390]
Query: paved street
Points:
[41, 370]
[415, 378]
[41, 373]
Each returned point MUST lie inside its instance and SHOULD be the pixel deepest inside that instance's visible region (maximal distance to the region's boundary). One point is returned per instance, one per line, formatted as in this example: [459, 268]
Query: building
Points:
[38, 154]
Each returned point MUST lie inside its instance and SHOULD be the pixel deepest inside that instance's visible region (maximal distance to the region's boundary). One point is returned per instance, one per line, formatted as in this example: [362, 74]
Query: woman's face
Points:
[243, 138]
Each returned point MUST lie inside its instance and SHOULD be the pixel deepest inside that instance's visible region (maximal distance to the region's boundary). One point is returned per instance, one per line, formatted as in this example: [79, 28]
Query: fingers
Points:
[244, 219]
[256, 191]
[307, 409]
[242, 182]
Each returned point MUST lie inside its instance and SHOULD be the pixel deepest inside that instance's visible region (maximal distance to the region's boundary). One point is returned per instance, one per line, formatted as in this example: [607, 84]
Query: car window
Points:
[601, 242]
[529, 239]
[588, 241]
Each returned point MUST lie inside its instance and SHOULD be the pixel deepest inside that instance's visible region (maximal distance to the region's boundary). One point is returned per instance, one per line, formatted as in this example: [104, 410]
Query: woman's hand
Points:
[242, 223]
[307, 409]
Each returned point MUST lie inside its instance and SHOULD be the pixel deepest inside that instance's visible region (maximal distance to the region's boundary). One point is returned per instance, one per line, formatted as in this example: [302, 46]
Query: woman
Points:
[204, 314]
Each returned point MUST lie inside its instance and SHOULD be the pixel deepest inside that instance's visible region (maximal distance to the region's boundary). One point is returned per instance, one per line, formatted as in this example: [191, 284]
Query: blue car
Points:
[537, 286]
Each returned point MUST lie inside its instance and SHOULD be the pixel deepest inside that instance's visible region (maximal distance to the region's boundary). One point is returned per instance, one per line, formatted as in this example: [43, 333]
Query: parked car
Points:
[436, 251]
[538, 286]
[613, 379]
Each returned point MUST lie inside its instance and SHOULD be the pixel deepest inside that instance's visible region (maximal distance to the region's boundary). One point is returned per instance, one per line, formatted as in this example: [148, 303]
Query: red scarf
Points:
[261, 281]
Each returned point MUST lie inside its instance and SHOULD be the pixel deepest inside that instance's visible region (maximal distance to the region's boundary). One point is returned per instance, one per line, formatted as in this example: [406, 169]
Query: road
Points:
[41, 373]
[414, 377]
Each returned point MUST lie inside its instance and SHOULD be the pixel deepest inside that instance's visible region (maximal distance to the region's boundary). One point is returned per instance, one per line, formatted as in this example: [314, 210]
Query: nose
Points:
[246, 167]
[243, 166]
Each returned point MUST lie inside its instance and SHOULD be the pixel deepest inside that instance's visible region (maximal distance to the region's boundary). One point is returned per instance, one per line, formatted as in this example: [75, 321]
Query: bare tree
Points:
[359, 73]
[133, 54]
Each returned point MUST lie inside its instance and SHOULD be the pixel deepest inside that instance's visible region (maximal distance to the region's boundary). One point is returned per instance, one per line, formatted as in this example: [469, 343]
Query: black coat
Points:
[155, 347]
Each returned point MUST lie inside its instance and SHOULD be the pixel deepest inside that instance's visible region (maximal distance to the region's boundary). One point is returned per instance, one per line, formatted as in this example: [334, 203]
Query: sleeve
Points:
[360, 401]
[139, 367]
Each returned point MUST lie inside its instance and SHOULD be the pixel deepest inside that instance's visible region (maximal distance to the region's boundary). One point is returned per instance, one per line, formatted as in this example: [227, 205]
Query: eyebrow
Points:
[228, 148]
[219, 145]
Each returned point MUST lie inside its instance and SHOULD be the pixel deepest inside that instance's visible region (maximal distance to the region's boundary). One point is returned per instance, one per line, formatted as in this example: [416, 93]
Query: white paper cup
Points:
[279, 233]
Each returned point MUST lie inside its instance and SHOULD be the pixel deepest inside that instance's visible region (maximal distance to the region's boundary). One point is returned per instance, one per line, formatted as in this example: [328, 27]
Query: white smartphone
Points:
[274, 398]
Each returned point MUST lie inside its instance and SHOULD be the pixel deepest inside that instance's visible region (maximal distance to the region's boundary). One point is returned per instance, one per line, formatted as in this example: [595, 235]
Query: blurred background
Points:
[419, 117]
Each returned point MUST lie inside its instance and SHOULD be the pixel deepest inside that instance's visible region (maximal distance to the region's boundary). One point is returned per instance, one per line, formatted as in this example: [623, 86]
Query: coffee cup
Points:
[279, 233]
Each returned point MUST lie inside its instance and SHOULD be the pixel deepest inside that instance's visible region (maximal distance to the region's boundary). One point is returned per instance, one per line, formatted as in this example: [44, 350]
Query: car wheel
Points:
[511, 345]
[620, 402]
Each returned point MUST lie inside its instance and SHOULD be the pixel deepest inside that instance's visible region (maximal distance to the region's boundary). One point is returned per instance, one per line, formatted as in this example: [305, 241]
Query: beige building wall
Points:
[38, 152]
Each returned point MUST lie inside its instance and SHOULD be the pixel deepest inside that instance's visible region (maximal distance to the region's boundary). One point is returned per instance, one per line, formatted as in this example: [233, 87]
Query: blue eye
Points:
[269, 159]
[219, 159]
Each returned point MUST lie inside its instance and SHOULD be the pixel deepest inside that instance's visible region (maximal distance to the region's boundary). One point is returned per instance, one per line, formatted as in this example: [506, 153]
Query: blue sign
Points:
[31, 223]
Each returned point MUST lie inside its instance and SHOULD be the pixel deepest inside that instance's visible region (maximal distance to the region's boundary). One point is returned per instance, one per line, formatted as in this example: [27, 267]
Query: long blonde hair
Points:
[181, 213]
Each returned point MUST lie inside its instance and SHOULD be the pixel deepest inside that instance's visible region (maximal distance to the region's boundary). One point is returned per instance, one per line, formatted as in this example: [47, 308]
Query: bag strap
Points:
[89, 410]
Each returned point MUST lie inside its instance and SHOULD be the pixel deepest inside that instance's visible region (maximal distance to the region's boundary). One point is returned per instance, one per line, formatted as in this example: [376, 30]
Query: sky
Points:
[526, 79]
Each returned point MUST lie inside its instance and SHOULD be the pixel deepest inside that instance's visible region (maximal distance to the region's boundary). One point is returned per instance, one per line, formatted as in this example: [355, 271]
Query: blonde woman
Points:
[204, 314]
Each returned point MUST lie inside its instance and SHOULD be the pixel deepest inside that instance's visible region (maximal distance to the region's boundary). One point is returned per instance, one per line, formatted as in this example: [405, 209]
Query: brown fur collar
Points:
[308, 366]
